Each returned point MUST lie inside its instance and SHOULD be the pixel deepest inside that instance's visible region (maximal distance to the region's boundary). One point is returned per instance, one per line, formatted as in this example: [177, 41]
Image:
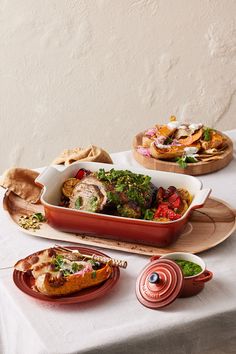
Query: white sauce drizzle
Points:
[195, 126]
[189, 151]
[173, 125]
[161, 146]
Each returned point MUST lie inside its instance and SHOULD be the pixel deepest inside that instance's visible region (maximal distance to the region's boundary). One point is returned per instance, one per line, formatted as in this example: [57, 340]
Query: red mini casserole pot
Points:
[195, 283]
[160, 234]
[162, 280]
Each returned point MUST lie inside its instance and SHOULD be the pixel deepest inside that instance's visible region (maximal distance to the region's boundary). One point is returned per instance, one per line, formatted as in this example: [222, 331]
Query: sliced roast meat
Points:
[123, 195]
[88, 195]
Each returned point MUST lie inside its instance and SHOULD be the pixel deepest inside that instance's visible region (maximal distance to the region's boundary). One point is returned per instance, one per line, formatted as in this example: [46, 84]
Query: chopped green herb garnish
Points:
[181, 161]
[39, 216]
[184, 160]
[78, 203]
[101, 174]
[191, 159]
[168, 141]
[112, 197]
[136, 187]
[74, 267]
[149, 214]
[66, 272]
[120, 188]
[91, 261]
[207, 134]
[94, 274]
[58, 261]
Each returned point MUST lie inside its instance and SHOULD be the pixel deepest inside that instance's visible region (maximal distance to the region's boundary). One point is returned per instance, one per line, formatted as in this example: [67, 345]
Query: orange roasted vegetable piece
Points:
[167, 153]
[216, 141]
[191, 139]
[49, 277]
[51, 286]
[170, 152]
[164, 130]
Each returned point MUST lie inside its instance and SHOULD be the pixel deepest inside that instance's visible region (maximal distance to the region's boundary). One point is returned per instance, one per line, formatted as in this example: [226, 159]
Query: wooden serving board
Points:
[208, 227]
[194, 169]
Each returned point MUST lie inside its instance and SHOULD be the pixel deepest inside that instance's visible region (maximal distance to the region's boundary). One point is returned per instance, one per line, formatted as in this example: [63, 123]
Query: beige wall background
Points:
[78, 72]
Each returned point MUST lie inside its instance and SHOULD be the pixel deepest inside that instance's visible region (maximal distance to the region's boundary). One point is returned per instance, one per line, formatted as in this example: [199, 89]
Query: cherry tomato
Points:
[164, 212]
[82, 173]
[174, 200]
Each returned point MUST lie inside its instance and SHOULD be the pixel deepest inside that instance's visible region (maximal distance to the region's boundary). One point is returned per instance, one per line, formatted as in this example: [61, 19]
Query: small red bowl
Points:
[161, 281]
[194, 284]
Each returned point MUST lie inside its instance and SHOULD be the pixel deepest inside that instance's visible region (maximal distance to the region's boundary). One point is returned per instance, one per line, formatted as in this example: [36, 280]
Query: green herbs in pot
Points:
[188, 268]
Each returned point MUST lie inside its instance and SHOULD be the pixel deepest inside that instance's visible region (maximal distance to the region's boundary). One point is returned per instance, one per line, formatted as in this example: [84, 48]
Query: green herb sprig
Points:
[184, 160]
[137, 187]
[207, 134]
[149, 214]
[58, 261]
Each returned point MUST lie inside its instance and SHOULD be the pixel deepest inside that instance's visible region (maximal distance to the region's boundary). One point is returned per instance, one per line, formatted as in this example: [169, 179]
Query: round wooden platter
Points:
[208, 227]
[194, 169]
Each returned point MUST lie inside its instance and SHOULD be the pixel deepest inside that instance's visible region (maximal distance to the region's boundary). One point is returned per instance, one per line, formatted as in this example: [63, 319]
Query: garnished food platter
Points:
[116, 203]
[207, 228]
[192, 149]
[25, 281]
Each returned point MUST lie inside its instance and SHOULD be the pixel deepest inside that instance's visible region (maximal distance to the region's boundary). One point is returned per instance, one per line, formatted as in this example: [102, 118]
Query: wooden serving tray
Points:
[194, 169]
[208, 227]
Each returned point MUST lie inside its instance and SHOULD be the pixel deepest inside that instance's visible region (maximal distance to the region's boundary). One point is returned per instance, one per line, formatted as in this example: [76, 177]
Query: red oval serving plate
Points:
[25, 282]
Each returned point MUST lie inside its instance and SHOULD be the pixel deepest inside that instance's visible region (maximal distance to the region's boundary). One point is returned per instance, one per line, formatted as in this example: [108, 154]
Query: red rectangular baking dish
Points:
[160, 234]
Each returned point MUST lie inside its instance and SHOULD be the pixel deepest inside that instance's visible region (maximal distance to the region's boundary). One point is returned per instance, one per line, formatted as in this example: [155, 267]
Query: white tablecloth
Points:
[118, 323]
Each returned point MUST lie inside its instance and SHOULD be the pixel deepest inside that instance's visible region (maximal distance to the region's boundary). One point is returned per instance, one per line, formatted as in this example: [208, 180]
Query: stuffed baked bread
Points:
[59, 273]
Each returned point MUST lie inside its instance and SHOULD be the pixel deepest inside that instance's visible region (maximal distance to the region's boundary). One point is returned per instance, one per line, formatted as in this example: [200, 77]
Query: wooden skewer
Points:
[2, 268]
[95, 257]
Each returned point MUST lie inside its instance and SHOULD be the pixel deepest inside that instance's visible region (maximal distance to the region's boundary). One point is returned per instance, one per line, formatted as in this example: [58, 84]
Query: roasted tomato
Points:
[82, 173]
[163, 211]
[174, 200]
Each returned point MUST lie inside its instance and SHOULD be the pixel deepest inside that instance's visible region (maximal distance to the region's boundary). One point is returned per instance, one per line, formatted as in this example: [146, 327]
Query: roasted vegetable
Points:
[172, 142]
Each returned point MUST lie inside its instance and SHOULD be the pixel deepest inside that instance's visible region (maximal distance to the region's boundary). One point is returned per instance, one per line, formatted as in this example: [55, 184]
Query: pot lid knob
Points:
[154, 278]
[159, 283]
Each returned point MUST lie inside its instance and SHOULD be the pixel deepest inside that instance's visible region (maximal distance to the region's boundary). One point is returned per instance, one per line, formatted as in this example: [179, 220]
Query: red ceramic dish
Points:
[161, 281]
[160, 234]
[195, 283]
[25, 281]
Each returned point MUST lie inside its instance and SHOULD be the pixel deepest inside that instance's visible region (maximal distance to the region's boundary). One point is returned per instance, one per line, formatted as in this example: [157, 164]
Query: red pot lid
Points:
[159, 283]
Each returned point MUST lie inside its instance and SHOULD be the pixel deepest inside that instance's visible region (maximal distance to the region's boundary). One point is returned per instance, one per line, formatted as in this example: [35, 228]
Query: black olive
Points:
[96, 265]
